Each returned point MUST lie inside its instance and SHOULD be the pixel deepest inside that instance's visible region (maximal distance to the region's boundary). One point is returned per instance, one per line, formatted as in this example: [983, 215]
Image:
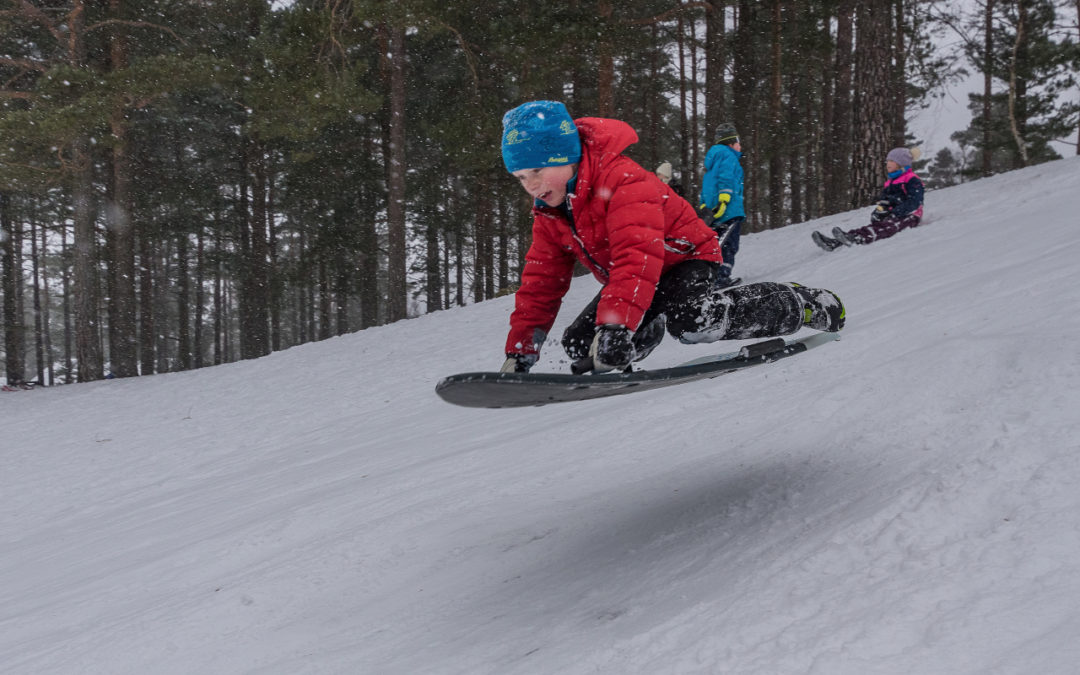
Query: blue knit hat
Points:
[539, 134]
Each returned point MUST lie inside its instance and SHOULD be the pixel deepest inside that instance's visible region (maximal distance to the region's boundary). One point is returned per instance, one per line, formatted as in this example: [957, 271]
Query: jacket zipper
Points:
[581, 244]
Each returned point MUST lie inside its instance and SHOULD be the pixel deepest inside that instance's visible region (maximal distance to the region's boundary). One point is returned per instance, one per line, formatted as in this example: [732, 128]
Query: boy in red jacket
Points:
[655, 258]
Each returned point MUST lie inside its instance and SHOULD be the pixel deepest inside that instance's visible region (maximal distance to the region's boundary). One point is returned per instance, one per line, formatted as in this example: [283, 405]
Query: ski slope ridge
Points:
[901, 501]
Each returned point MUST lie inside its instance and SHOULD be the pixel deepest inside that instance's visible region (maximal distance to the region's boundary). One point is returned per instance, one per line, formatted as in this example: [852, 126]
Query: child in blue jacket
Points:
[721, 204]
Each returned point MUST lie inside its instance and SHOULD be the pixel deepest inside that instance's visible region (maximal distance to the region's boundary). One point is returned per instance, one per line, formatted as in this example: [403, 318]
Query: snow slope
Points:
[902, 501]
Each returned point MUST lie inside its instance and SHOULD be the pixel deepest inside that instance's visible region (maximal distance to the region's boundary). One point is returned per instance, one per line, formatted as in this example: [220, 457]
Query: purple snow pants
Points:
[884, 228]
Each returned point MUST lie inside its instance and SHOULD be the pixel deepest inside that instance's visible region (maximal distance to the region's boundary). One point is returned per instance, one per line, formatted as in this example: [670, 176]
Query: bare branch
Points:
[25, 64]
[135, 24]
[36, 15]
[470, 58]
[24, 95]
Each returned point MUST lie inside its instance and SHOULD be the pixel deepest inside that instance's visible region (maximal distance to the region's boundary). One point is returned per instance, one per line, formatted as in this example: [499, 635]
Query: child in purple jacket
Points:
[899, 207]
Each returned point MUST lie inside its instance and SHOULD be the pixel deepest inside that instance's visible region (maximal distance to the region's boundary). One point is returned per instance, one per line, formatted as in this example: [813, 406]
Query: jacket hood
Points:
[716, 154]
[604, 138]
[602, 142]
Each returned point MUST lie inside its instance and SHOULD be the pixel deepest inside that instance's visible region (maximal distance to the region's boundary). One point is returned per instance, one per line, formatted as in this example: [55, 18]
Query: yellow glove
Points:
[721, 205]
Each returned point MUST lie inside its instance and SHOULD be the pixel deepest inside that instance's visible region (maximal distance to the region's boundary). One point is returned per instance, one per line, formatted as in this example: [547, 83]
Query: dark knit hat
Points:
[539, 134]
[726, 134]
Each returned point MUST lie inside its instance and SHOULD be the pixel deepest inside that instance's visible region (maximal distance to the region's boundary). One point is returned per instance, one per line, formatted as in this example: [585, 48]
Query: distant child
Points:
[722, 196]
[899, 207]
[665, 174]
[655, 259]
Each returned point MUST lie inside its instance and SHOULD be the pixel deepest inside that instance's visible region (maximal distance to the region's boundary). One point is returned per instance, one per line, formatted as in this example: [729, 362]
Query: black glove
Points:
[518, 363]
[706, 214]
[613, 347]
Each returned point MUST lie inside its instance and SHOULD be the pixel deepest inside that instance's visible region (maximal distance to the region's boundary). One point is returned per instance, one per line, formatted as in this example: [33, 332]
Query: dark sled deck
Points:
[515, 390]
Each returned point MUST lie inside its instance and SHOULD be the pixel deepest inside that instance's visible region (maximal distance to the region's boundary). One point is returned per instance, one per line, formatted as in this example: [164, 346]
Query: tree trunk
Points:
[899, 80]
[39, 337]
[369, 265]
[255, 315]
[714, 70]
[775, 135]
[1017, 87]
[219, 291]
[838, 155]
[163, 272]
[873, 102]
[324, 300]
[123, 344]
[459, 256]
[14, 361]
[689, 170]
[801, 119]
[200, 296]
[183, 303]
[743, 91]
[605, 82]
[485, 236]
[396, 273]
[273, 280]
[695, 139]
[45, 297]
[88, 353]
[432, 274]
[504, 244]
[65, 285]
[147, 343]
[988, 88]
[342, 281]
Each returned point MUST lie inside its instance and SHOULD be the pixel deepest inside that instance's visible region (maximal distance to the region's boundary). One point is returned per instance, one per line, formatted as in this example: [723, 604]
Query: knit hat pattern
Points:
[539, 134]
[726, 134]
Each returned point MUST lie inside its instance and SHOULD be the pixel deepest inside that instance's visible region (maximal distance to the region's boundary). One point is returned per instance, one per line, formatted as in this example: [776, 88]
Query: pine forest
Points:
[185, 183]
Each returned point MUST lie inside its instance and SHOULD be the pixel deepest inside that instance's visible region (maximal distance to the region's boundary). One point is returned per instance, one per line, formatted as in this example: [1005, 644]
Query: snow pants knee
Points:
[697, 312]
[884, 228]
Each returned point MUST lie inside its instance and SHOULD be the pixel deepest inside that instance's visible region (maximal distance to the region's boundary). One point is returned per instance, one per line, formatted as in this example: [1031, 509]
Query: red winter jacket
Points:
[627, 228]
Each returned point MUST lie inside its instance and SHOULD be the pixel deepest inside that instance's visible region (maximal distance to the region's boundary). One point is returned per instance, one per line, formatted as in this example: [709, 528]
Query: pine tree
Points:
[1014, 126]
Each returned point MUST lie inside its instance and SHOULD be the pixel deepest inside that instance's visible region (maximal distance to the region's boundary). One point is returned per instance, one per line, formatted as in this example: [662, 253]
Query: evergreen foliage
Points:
[185, 183]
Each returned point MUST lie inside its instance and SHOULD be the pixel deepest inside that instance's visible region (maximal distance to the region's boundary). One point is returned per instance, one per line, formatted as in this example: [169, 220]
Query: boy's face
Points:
[548, 184]
[891, 166]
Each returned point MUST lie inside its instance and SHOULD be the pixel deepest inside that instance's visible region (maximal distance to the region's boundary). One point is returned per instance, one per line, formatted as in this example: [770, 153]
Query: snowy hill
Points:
[902, 501]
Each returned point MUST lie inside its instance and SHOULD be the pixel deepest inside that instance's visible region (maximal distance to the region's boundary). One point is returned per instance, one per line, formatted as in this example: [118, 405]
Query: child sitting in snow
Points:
[656, 260]
[899, 207]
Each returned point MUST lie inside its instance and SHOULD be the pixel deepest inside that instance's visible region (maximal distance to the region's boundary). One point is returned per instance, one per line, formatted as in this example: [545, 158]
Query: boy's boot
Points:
[724, 282]
[822, 309]
[648, 337]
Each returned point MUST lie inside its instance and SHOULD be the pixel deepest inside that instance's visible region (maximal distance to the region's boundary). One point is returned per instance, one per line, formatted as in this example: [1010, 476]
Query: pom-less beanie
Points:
[726, 134]
[539, 134]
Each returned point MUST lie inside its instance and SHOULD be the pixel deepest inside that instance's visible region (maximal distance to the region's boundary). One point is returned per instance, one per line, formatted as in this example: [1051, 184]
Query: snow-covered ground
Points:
[906, 500]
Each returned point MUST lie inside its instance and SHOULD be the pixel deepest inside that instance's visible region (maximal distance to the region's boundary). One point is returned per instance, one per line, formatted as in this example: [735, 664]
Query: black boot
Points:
[824, 242]
[843, 237]
[648, 336]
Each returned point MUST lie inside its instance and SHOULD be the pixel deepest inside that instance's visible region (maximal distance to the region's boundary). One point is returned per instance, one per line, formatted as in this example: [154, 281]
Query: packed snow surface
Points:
[905, 500]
